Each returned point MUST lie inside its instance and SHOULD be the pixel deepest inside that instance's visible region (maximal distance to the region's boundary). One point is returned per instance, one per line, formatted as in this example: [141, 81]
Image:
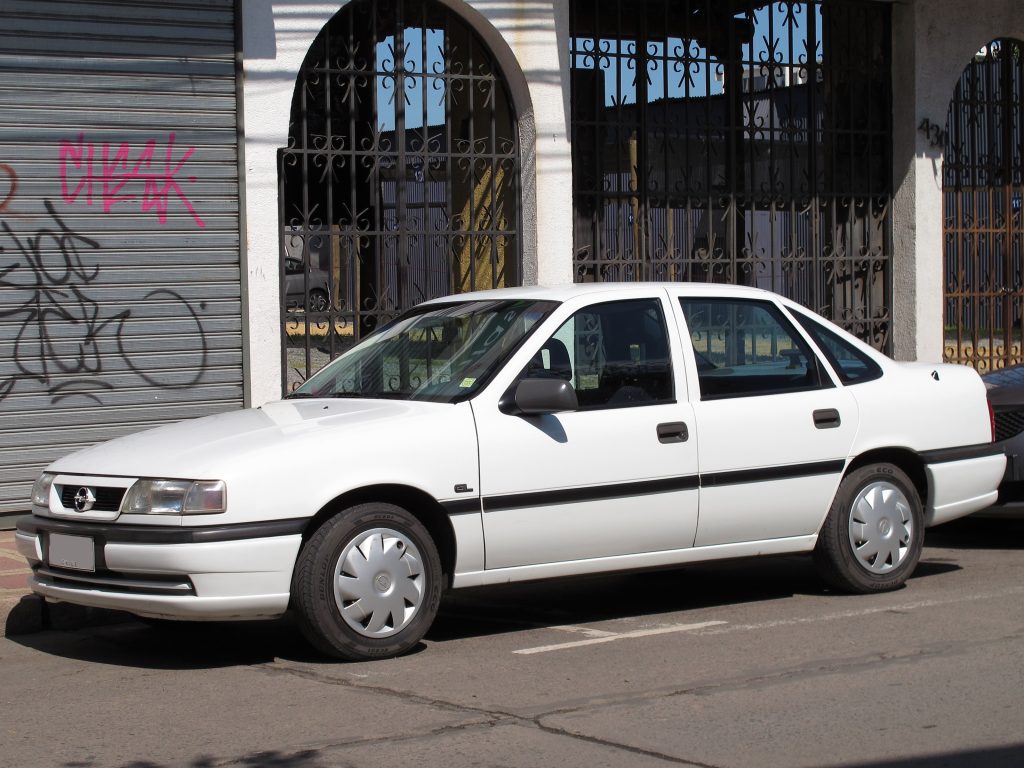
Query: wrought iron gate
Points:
[737, 141]
[400, 181]
[983, 233]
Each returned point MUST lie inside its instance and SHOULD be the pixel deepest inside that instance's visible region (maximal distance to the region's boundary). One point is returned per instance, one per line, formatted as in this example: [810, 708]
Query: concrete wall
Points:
[524, 36]
[933, 40]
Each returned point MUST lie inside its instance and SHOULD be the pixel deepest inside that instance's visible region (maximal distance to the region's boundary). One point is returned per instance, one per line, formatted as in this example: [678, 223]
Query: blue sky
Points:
[689, 71]
[417, 86]
[778, 26]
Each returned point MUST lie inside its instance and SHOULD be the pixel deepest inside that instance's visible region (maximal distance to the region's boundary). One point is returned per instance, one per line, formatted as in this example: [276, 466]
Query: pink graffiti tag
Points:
[116, 171]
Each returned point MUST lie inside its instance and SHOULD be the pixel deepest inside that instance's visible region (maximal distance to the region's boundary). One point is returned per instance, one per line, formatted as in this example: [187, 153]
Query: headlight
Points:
[175, 497]
[41, 490]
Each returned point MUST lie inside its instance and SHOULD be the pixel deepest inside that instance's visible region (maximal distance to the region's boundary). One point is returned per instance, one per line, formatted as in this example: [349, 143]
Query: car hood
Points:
[214, 447]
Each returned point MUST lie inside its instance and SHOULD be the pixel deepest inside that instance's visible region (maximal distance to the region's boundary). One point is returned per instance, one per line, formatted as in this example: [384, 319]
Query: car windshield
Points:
[441, 352]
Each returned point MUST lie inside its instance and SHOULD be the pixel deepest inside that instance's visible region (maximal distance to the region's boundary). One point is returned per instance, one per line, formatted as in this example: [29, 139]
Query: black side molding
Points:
[763, 474]
[163, 534]
[461, 506]
[590, 493]
[960, 453]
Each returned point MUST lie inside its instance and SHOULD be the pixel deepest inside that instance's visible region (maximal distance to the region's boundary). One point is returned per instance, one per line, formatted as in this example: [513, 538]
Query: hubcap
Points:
[379, 582]
[881, 527]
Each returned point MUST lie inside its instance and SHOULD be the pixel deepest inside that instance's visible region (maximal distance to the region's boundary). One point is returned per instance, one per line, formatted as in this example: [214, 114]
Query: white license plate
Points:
[75, 552]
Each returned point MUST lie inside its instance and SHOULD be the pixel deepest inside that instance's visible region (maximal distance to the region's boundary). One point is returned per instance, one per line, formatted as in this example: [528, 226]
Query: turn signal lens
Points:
[41, 490]
[992, 421]
[205, 497]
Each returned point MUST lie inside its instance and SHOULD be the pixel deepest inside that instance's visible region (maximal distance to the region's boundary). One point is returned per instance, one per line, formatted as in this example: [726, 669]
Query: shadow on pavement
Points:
[991, 757]
[978, 533]
[177, 645]
[464, 613]
[583, 600]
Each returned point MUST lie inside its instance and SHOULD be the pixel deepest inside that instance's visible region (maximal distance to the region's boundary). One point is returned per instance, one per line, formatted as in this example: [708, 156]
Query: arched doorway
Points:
[400, 181]
[983, 235]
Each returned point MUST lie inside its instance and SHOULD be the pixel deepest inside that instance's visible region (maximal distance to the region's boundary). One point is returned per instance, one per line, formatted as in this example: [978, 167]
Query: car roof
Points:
[573, 290]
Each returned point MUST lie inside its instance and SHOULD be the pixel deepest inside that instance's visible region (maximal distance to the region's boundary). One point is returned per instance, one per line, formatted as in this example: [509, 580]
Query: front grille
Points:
[1009, 424]
[107, 499]
[110, 581]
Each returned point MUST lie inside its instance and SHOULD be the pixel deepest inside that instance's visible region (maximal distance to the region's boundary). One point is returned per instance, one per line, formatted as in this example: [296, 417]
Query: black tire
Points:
[859, 555]
[400, 583]
[166, 625]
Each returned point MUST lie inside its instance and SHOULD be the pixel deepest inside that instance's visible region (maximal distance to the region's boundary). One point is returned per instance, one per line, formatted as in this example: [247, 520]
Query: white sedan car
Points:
[523, 434]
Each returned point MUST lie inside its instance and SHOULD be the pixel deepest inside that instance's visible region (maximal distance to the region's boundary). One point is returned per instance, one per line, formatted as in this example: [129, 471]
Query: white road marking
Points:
[612, 637]
[600, 636]
[588, 631]
[868, 611]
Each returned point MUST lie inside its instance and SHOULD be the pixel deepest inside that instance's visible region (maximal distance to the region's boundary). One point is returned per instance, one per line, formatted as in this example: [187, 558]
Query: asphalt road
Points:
[738, 664]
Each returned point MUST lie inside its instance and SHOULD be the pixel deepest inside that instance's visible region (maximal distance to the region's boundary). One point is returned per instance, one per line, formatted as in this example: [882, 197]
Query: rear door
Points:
[775, 429]
[616, 477]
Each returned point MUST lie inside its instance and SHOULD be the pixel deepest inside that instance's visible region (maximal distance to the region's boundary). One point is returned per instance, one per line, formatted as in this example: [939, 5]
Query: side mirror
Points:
[535, 397]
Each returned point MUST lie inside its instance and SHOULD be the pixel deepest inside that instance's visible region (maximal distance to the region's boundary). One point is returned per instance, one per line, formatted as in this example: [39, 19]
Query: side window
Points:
[615, 354]
[747, 347]
[851, 364]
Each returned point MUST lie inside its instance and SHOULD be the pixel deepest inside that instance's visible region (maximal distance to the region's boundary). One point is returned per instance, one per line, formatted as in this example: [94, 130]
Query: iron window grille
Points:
[740, 142]
[400, 181]
[983, 230]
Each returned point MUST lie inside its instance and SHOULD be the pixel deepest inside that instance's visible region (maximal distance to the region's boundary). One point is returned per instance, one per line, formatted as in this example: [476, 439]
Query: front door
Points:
[616, 477]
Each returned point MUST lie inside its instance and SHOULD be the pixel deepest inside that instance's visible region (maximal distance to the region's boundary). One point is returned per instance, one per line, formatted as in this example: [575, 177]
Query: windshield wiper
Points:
[371, 395]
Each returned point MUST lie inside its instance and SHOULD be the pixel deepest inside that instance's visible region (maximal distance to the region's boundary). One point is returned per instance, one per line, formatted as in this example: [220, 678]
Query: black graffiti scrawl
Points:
[49, 273]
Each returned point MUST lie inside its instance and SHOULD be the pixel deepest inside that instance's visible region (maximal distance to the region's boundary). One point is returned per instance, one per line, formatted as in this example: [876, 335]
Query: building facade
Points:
[200, 203]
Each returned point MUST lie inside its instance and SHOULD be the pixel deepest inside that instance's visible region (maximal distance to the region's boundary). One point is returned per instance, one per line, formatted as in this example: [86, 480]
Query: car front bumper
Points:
[197, 573]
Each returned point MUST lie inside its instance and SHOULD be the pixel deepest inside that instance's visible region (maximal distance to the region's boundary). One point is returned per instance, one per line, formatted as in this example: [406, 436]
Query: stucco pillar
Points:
[275, 39]
[536, 34]
[917, 201]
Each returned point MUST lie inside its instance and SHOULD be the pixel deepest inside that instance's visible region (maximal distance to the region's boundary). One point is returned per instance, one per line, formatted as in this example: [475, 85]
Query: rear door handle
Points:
[827, 418]
[673, 432]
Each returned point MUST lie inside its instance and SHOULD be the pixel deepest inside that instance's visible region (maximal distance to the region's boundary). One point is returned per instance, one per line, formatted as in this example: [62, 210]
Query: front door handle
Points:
[673, 432]
[827, 418]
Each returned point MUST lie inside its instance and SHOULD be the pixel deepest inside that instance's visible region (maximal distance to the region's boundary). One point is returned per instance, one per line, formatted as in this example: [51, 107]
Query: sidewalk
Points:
[22, 612]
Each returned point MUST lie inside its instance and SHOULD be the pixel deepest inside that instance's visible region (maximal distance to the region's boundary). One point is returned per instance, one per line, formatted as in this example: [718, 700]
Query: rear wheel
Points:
[872, 538]
[367, 584]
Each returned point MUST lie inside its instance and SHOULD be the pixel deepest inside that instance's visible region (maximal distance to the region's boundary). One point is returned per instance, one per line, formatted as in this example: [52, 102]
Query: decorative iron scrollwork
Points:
[754, 146]
[400, 178]
[983, 183]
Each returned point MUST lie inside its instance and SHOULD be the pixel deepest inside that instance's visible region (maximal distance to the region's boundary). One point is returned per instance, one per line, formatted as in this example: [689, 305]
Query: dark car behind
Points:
[1006, 395]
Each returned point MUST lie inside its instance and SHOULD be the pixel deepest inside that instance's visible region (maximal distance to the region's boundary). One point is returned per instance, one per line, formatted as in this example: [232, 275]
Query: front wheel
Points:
[873, 535]
[367, 584]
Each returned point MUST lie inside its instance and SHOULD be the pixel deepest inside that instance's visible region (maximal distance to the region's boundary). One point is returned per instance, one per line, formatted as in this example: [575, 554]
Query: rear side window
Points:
[746, 347]
[851, 364]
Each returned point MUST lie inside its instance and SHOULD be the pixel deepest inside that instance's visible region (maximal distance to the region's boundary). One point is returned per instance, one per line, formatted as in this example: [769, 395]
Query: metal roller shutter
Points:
[120, 300]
